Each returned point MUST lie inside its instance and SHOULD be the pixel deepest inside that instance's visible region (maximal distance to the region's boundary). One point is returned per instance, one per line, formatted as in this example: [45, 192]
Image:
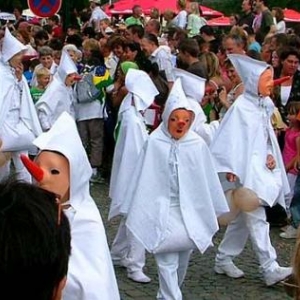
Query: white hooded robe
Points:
[147, 201]
[90, 274]
[246, 136]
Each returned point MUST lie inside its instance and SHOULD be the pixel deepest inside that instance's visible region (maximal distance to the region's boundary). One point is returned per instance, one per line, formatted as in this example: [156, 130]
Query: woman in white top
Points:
[181, 18]
[279, 19]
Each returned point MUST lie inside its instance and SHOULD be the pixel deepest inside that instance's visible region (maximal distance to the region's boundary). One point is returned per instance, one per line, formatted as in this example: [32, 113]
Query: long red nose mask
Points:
[281, 80]
[36, 172]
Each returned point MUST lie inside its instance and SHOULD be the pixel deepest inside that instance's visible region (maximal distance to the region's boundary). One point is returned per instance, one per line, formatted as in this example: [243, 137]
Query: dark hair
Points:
[74, 39]
[137, 29]
[90, 32]
[208, 30]
[34, 244]
[189, 46]
[151, 38]
[41, 34]
[140, 58]
[286, 51]
[54, 18]
[55, 44]
[48, 28]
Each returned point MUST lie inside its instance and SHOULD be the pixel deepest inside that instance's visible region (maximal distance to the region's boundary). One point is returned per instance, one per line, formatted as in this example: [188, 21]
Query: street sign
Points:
[44, 8]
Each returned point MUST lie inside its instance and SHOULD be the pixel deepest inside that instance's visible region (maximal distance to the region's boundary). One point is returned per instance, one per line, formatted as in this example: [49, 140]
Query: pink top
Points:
[290, 147]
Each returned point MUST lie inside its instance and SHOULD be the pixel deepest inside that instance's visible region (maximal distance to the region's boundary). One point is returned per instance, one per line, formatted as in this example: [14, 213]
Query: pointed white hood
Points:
[66, 66]
[141, 89]
[10, 46]
[193, 86]
[249, 70]
[176, 100]
[63, 137]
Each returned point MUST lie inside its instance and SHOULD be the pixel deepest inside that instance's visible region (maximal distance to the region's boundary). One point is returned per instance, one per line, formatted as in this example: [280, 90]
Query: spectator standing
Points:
[136, 18]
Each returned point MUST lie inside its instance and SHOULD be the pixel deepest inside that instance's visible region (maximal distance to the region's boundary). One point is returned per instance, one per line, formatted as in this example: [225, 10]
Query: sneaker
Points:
[138, 276]
[278, 274]
[231, 270]
[96, 178]
[290, 233]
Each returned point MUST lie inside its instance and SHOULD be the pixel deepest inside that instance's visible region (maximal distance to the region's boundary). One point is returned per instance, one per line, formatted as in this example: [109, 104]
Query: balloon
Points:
[226, 218]
[245, 199]
[4, 156]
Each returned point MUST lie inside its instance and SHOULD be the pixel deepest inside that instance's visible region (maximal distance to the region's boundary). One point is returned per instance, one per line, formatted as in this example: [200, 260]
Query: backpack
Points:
[85, 89]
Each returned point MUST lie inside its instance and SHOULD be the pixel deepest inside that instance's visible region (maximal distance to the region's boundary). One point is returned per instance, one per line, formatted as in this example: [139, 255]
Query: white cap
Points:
[193, 85]
[249, 70]
[10, 46]
[63, 137]
[176, 100]
[95, 1]
[142, 88]
[66, 66]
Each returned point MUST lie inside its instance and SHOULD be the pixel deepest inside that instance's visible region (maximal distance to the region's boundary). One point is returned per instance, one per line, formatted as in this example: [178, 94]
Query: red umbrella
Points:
[221, 21]
[291, 15]
[125, 7]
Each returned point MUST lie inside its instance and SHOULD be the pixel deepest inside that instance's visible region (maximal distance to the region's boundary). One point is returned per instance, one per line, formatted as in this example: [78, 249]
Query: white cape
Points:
[131, 138]
[246, 136]
[57, 98]
[90, 275]
[240, 147]
[131, 134]
[27, 111]
[148, 198]
[200, 194]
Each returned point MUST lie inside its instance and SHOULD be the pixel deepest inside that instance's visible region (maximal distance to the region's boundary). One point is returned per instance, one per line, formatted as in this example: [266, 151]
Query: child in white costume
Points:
[167, 211]
[131, 135]
[59, 96]
[19, 124]
[246, 152]
[66, 171]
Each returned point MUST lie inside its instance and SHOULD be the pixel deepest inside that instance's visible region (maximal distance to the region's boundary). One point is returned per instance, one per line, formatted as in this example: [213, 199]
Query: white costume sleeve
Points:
[44, 120]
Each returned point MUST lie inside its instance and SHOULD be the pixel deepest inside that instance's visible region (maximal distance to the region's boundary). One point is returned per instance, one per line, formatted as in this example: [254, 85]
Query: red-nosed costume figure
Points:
[63, 168]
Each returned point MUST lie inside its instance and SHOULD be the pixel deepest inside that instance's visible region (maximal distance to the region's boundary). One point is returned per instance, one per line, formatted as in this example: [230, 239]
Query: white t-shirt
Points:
[181, 19]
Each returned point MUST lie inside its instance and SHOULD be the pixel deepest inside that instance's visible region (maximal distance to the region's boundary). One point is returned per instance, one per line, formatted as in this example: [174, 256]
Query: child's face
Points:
[56, 177]
[46, 61]
[179, 123]
[43, 80]
[70, 79]
[73, 55]
[265, 83]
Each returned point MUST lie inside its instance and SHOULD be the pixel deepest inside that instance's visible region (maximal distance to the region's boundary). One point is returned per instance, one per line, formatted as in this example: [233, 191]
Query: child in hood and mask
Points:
[163, 203]
[62, 167]
[247, 154]
[131, 134]
[59, 96]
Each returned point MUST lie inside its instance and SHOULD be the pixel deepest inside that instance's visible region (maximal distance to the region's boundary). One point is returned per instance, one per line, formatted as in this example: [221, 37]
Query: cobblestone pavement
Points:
[201, 282]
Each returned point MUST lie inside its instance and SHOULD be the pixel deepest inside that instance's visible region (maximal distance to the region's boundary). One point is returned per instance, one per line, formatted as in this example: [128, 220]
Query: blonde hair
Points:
[194, 8]
[42, 72]
[211, 63]
[181, 4]
[91, 44]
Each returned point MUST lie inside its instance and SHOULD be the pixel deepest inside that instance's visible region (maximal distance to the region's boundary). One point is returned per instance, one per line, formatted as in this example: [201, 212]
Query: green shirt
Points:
[266, 22]
[36, 94]
[133, 21]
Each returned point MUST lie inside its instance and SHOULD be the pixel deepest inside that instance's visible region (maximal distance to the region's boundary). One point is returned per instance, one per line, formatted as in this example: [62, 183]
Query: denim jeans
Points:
[295, 204]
